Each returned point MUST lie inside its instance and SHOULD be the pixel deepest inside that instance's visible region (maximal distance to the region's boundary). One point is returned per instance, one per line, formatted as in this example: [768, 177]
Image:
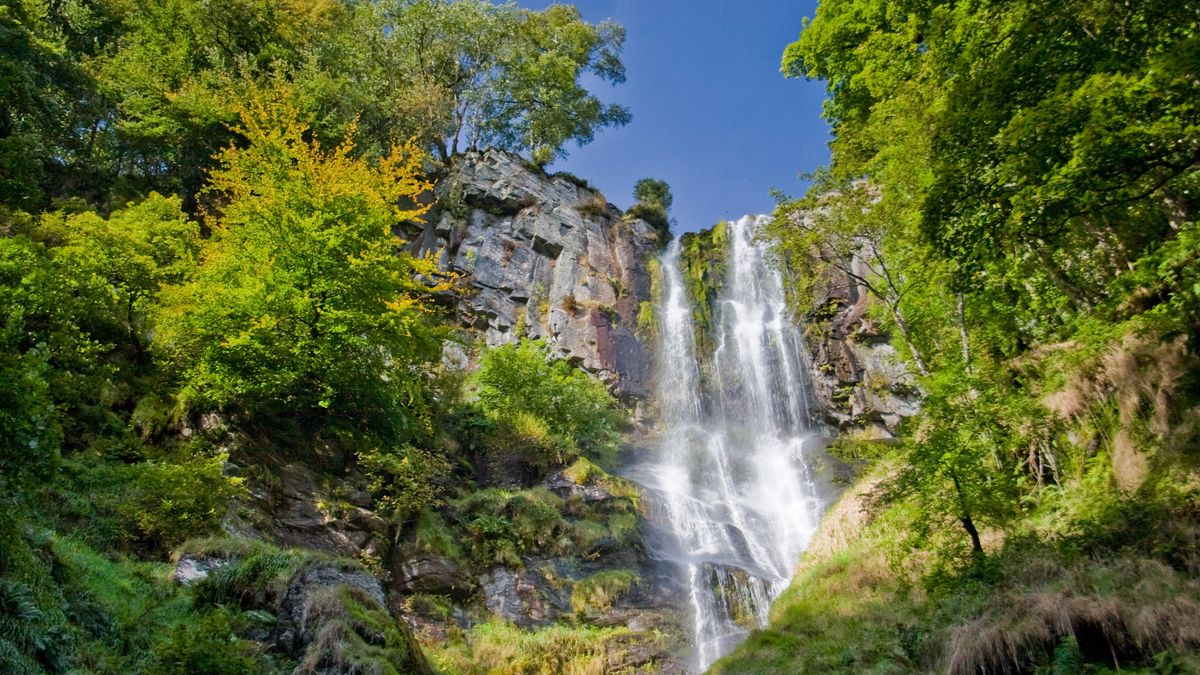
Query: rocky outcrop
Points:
[858, 379]
[546, 257]
[421, 572]
[305, 508]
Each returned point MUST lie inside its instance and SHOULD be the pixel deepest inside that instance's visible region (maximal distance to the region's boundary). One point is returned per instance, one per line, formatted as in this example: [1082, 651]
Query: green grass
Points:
[499, 648]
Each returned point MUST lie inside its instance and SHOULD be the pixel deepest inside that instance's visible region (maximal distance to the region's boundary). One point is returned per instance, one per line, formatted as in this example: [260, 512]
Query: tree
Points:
[653, 192]
[1044, 129]
[306, 304]
[653, 203]
[964, 458]
[32, 332]
[131, 255]
[852, 232]
[483, 74]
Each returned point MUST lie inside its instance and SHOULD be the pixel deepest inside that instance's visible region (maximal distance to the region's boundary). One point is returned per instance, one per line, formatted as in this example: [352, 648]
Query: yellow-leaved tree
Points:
[306, 305]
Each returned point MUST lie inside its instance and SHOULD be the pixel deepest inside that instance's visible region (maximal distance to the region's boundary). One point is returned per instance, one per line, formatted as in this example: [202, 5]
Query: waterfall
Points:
[730, 486]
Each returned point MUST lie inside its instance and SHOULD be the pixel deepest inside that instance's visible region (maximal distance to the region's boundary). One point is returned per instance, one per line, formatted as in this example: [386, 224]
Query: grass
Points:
[499, 648]
[597, 593]
[1091, 577]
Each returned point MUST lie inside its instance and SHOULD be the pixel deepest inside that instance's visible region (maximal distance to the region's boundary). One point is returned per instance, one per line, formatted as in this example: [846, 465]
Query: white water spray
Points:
[731, 485]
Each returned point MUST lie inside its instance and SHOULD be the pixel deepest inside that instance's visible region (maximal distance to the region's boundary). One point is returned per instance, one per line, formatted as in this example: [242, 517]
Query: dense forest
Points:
[206, 280]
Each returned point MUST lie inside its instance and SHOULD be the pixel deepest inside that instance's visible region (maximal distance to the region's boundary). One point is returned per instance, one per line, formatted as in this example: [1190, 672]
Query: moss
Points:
[434, 535]
[252, 582]
[702, 262]
[354, 634]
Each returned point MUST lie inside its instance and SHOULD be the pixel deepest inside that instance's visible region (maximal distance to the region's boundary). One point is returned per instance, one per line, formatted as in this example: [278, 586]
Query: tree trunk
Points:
[969, 526]
[962, 333]
[902, 326]
[964, 517]
[1177, 210]
[1073, 292]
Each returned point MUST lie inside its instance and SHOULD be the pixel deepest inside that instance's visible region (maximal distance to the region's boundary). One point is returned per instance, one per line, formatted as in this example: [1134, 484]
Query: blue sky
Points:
[712, 114]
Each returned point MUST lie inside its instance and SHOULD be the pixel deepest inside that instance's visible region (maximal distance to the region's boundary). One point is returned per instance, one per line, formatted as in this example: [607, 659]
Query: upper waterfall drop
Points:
[732, 491]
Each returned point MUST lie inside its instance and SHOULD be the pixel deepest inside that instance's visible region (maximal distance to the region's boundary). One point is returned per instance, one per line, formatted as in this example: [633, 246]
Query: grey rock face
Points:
[858, 379]
[428, 573]
[294, 509]
[546, 258]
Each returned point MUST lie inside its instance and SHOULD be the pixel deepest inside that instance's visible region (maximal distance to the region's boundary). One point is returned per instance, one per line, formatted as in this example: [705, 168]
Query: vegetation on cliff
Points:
[202, 287]
[1018, 183]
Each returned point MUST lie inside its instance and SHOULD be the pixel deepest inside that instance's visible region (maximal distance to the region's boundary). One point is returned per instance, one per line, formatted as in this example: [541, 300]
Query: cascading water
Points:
[730, 485]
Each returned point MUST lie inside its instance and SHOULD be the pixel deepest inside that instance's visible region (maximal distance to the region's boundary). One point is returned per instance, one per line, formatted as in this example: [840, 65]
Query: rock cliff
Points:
[547, 257]
[858, 379]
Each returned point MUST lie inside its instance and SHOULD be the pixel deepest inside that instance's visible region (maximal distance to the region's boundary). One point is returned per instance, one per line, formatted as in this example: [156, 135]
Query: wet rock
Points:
[859, 380]
[522, 597]
[563, 486]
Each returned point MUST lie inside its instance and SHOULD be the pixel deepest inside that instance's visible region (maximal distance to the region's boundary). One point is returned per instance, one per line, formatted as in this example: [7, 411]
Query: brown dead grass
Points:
[1129, 609]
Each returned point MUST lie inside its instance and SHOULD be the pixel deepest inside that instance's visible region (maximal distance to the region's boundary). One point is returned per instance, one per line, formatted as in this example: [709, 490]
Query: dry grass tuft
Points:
[1131, 609]
[1130, 467]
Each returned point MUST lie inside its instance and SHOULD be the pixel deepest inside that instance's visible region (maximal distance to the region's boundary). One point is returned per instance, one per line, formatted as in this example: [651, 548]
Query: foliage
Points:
[109, 100]
[504, 649]
[132, 255]
[29, 297]
[653, 192]
[170, 501]
[1014, 185]
[210, 645]
[405, 481]
[653, 204]
[548, 402]
[305, 302]
[1003, 177]
[598, 592]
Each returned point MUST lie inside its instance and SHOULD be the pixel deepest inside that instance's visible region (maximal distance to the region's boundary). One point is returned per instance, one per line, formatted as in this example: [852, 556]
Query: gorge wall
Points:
[545, 257]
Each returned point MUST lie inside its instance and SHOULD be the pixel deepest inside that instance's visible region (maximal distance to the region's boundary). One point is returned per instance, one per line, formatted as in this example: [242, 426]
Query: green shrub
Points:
[499, 648]
[169, 501]
[598, 592]
[653, 214]
[209, 645]
[522, 381]
[405, 480]
[253, 582]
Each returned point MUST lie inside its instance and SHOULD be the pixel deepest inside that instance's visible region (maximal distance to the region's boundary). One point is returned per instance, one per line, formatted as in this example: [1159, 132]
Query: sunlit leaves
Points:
[305, 299]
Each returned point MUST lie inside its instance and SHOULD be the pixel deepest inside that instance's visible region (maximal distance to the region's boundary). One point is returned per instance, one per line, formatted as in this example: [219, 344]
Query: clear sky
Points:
[712, 114]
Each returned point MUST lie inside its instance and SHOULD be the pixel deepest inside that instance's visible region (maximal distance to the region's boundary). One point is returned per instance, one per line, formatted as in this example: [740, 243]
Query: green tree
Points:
[653, 192]
[653, 203]
[306, 302]
[964, 458]
[33, 335]
[131, 255]
[481, 74]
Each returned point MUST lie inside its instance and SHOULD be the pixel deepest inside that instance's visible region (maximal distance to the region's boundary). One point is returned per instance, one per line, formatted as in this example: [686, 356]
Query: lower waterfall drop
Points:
[730, 485]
